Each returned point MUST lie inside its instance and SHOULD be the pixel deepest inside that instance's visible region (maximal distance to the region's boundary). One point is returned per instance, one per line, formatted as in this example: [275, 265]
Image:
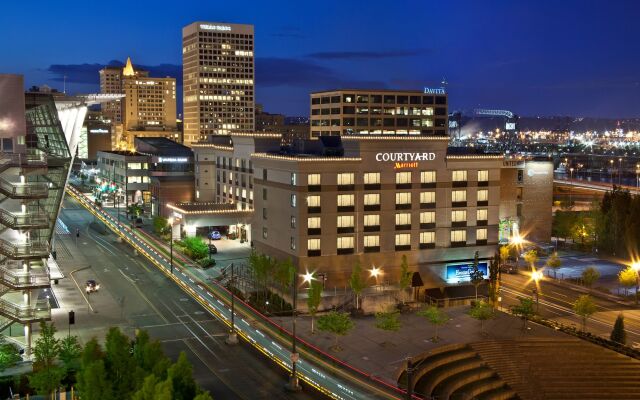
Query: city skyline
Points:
[499, 55]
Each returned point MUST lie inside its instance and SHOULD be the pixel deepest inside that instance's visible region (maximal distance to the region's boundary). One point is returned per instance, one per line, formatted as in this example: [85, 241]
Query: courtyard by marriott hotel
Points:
[328, 201]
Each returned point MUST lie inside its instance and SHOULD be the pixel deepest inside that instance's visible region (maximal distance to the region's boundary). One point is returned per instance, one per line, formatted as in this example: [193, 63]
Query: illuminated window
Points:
[345, 200]
[313, 179]
[458, 236]
[345, 221]
[372, 241]
[459, 176]
[371, 199]
[483, 176]
[371, 220]
[482, 215]
[481, 234]
[427, 197]
[483, 195]
[403, 239]
[294, 178]
[345, 178]
[313, 222]
[428, 217]
[371, 178]
[345, 242]
[313, 244]
[458, 215]
[427, 176]
[403, 178]
[427, 237]
[294, 200]
[403, 218]
[313, 201]
[292, 244]
[458, 196]
[264, 233]
[403, 198]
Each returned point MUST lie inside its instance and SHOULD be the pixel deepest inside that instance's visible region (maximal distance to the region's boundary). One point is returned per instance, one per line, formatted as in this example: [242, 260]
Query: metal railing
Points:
[24, 250]
[17, 190]
[39, 310]
[30, 219]
[12, 274]
[33, 157]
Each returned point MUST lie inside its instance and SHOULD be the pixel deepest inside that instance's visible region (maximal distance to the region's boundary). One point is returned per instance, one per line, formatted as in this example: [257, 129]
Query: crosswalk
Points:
[61, 228]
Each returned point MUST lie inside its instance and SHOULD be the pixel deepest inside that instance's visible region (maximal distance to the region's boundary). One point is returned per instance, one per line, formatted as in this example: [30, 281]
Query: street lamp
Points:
[611, 170]
[294, 385]
[637, 177]
[170, 221]
[517, 241]
[233, 337]
[636, 267]
[375, 273]
[537, 277]
[619, 170]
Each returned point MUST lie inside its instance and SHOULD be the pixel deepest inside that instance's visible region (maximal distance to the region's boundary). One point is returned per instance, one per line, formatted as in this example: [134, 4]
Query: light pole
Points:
[570, 187]
[620, 171]
[611, 170]
[294, 385]
[637, 177]
[375, 273]
[636, 267]
[536, 275]
[233, 336]
[170, 220]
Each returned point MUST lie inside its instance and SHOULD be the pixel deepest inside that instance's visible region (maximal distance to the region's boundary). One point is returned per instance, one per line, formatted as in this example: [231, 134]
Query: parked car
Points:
[92, 286]
[215, 235]
[509, 269]
[213, 249]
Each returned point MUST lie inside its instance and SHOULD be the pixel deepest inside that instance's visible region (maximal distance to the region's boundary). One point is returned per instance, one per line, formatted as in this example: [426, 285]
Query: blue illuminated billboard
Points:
[460, 272]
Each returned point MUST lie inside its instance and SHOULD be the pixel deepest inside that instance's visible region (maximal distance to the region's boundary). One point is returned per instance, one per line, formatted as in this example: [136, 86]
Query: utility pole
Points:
[233, 337]
[293, 385]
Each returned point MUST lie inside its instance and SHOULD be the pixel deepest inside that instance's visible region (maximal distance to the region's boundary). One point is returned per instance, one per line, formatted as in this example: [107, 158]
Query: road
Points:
[134, 295]
[322, 371]
[555, 301]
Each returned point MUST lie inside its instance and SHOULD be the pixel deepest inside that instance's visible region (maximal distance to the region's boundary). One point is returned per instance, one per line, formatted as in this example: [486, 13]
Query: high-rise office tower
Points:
[149, 104]
[111, 78]
[218, 78]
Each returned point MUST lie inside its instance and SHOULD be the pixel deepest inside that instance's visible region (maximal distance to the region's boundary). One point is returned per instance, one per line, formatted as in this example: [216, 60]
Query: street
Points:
[133, 294]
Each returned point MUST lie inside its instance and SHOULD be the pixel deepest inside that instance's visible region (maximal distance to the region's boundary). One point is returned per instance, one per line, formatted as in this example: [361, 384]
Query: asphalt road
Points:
[134, 295]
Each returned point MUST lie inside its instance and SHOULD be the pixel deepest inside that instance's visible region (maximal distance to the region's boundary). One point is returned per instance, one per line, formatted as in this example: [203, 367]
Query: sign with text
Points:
[440, 90]
[461, 272]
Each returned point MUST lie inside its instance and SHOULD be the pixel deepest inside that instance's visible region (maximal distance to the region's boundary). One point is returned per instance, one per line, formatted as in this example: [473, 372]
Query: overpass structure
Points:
[594, 186]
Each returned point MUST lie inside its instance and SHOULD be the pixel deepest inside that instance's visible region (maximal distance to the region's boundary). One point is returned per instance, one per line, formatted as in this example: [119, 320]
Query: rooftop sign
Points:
[209, 27]
[405, 156]
[173, 159]
[434, 91]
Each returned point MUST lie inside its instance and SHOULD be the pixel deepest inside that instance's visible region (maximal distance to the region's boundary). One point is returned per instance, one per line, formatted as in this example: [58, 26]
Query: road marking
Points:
[144, 297]
[78, 286]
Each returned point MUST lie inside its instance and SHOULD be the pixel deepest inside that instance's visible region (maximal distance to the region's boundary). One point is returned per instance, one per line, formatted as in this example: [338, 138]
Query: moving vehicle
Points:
[92, 286]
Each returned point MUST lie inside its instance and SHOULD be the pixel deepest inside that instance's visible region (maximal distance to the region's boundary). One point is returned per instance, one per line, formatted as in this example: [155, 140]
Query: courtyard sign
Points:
[406, 157]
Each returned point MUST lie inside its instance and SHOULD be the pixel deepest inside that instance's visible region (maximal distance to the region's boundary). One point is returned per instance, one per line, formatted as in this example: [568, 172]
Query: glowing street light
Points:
[307, 277]
[375, 271]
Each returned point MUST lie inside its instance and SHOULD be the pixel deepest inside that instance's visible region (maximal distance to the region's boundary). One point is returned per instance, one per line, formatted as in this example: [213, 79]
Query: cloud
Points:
[365, 55]
[88, 73]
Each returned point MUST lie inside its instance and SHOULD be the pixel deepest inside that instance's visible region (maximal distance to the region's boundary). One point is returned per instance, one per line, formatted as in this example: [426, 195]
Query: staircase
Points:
[30, 190]
[30, 220]
[32, 250]
[13, 275]
[38, 311]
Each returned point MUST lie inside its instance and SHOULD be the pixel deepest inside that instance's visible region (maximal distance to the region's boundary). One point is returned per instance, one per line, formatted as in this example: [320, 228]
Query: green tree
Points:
[314, 296]
[481, 311]
[554, 262]
[436, 317]
[92, 352]
[494, 279]
[160, 225]
[195, 247]
[180, 375]
[388, 321]
[93, 383]
[628, 278]
[405, 277]
[618, 334]
[203, 396]
[584, 306]
[590, 276]
[9, 354]
[285, 273]
[119, 363]
[357, 282]
[531, 258]
[70, 352]
[504, 255]
[476, 276]
[46, 375]
[337, 323]
[524, 310]
[149, 356]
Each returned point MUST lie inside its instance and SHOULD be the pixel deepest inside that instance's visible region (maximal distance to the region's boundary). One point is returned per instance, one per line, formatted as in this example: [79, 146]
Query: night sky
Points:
[560, 57]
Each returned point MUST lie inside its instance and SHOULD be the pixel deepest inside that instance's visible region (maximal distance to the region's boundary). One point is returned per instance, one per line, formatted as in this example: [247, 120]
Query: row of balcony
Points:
[29, 190]
[36, 311]
[403, 206]
[24, 251]
[29, 220]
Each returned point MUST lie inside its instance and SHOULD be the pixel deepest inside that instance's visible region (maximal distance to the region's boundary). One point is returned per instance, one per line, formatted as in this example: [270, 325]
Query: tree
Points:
[119, 363]
[388, 321]
[46, 375]
[436, 317]
[531, 258]
[494, 279]
[523, 310]
[9, 354]
[476, 276]
[405, 277]
[628, 278]
[160, 225]
[618, 333]
[584, 307]
[504, 255]
[180, 375]
[70, 352]
[195, 247]
[481, 311]
[554, 262]
[93, 383]
[203, 396]
[590, 276]
[337, 323]
[285, 273]
[313, 300]
[149, 356]
[356, 282]
[92, 352]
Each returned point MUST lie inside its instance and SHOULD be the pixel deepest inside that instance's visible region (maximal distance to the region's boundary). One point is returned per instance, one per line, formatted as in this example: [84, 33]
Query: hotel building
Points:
[111, 82]
[378, 112]
[326, 202]
[218, 79]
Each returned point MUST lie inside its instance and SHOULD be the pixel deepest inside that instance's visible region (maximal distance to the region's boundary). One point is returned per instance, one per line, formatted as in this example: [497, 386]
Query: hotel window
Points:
[294, 200]
[371, 199]
[294, 178]
[459, 176]
[427, 176]
[313, 179]
[403, 240]
[481, 234]
[371, 241]
[458, 196]
[345, 221]
[483, 176]
[345, 200]
[313, 201]
[313, 244]
[313, 223]
[483, 195]
[428, 217]
[459, 216]
[292, 245]
[371, 220]
[345, 178]
[403, 198]
[345, 242]
[427, 197]
[372, 178]
[403, 178]
[482, 215]
[427, 237]
[293, 222]
[264, 213]
[404, 220]
[459, 236]
[264, 233]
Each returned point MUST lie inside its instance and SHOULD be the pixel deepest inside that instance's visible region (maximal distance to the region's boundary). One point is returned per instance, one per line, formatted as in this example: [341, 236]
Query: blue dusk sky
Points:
[566, 57]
